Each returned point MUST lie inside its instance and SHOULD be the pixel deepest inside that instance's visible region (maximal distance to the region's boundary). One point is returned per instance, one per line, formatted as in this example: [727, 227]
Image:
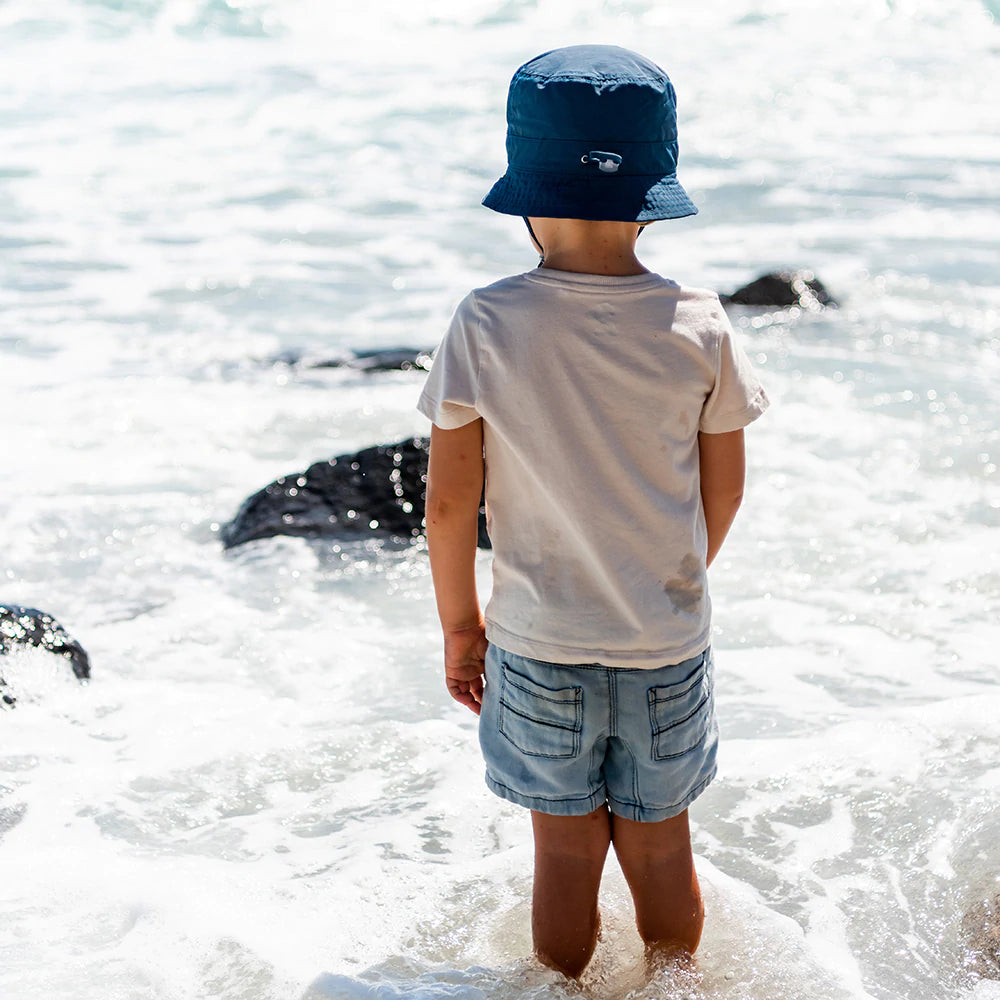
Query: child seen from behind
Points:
[603, 406]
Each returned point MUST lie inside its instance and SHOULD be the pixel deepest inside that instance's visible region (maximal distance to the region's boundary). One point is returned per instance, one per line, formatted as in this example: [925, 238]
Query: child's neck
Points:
[588, 247]
[590, 263]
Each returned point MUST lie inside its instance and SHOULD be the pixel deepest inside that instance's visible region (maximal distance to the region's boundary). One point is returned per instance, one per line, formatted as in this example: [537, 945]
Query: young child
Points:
[604, 407]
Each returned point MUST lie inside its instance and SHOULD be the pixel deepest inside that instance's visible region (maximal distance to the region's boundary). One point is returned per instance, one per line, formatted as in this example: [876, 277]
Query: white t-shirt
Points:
[592, 390]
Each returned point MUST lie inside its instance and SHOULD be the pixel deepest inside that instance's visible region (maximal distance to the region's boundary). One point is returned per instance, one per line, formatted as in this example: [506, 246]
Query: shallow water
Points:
[265, 791]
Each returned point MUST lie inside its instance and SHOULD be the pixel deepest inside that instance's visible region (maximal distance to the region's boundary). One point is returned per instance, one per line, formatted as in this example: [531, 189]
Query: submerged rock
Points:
[10, 814]
[377, 492]
[21, 626]
[981, 929]
[783, 289]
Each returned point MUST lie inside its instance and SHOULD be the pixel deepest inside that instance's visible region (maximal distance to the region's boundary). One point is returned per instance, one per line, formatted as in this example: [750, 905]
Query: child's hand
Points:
[464, 663]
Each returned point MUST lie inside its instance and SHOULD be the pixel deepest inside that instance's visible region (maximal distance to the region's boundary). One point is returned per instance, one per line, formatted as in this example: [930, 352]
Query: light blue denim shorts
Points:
[564, 739]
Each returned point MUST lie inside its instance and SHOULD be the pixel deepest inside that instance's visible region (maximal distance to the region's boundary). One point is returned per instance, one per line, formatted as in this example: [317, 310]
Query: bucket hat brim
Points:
[636, 198]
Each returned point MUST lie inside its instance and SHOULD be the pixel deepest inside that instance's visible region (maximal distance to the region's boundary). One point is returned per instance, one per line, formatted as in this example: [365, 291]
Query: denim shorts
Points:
[564, 739]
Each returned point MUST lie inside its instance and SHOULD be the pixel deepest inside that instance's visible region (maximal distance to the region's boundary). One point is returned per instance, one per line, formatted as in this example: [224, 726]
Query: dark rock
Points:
[377, 492]
[392, 359]
[783, 289]
[31, 627]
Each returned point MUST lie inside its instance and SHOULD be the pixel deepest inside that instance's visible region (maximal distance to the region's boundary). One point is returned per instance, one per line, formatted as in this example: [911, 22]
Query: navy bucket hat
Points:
[591, 134]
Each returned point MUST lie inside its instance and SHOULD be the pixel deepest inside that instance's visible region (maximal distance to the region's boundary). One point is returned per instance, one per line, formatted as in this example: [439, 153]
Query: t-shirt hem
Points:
[739, 418]
[447, 416]
[550, 652]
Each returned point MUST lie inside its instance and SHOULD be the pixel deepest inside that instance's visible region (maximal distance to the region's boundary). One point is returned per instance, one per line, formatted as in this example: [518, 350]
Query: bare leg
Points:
[569, 860]
[659, 868]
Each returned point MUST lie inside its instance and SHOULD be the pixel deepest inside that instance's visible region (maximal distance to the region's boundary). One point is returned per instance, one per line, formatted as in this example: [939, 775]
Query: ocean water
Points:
[265, 791]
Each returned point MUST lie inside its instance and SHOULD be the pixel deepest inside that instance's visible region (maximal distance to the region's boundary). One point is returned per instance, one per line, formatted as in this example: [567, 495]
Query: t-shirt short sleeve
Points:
[452, 387]
[737, 398]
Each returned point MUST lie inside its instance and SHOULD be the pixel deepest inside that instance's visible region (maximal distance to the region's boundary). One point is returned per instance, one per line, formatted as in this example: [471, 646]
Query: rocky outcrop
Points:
[783, 289]
[21, 626]
[377, 492]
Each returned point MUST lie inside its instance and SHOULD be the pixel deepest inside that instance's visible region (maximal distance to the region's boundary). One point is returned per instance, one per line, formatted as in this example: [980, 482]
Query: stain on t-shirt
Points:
[685, 591]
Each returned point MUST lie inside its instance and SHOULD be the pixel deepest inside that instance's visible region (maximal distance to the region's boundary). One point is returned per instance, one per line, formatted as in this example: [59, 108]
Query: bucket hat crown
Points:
[591, 134]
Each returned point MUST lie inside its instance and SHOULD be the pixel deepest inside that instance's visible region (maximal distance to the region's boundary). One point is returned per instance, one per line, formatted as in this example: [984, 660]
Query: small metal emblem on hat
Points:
[607, 163]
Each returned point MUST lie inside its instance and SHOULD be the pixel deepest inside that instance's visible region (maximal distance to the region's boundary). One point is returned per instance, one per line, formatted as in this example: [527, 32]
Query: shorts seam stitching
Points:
[658, 733]
[572, 699]
[574, 728]
[699, 670]
[688, 798]
[542, 798]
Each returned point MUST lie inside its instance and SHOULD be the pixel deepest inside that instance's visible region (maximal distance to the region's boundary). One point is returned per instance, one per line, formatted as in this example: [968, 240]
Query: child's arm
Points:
[454, 489]
[723, 469]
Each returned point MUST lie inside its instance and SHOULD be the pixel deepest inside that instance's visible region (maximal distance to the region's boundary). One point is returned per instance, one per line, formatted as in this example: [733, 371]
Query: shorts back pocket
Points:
[680, 714]
[540, 721]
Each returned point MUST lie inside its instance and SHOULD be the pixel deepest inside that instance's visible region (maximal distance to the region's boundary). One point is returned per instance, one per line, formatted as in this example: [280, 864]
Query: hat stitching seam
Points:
[585, 140]
[642, 81]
